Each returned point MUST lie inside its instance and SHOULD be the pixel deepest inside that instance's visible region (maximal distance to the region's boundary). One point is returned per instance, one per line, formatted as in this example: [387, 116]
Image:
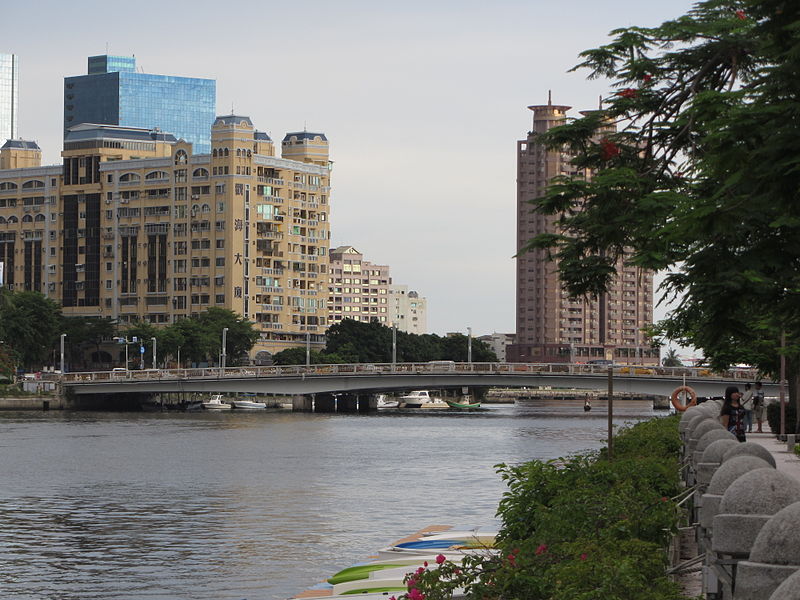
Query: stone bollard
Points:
[726, 474]
[708, 438]
[746, 506]
[750, 449]
[789, 589]
[712, 458]
[774, 558]
[791, 441]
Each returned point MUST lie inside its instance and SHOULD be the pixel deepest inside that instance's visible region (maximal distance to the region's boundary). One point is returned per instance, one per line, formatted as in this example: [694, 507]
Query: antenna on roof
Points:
[549, 97]
[600, 105]
[106, 48]
[305, 127]
[231, 107]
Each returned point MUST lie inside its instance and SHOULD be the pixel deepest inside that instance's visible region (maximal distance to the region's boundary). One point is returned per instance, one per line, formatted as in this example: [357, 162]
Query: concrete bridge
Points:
[355, 380]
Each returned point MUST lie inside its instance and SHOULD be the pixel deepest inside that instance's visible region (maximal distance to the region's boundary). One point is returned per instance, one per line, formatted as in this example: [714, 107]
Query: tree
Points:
[29, 326]
[701, 178]
[201, 336]
[671, 359]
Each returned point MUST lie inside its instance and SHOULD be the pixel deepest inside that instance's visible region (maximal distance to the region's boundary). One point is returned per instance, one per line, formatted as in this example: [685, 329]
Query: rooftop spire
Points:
[549, 97]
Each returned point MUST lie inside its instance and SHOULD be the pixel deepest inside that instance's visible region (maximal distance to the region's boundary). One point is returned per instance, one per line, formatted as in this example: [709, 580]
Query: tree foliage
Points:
[700, 178]
[29, 327]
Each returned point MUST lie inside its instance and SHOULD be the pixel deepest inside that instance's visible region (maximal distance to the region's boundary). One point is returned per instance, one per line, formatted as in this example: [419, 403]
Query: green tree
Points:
[671, 359]
[29, 327]
[700, 178]
[201, 336]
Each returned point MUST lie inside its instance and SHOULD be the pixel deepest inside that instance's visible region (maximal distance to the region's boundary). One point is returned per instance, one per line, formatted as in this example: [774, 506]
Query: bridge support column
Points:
[367, 403]
[324, 403]
[301, 403]
[348, 403]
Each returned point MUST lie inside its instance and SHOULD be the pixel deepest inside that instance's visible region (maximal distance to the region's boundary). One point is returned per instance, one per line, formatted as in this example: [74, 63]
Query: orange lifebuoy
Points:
[674, 398]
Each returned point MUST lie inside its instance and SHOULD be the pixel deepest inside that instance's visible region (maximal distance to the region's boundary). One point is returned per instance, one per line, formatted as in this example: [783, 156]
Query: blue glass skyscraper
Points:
[113, 93]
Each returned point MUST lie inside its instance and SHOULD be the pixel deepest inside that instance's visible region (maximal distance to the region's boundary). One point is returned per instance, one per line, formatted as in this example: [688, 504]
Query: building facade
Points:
[409, 309]
[358, 289]
[114, 93]
[136, 226]
[9, 96]
[551, 327]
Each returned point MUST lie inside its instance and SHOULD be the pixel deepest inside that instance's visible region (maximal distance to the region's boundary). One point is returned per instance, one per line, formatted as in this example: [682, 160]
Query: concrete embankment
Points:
[33, 403]
[498, 395]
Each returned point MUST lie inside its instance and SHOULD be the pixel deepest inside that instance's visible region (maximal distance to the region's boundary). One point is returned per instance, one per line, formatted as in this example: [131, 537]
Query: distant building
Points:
[9, 96]
[550, 326]
[114, 93]
[135, 226]
[409, 309]
[499, 343]
[359, 289]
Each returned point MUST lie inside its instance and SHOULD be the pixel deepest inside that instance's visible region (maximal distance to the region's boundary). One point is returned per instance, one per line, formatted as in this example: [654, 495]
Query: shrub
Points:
[774, 417]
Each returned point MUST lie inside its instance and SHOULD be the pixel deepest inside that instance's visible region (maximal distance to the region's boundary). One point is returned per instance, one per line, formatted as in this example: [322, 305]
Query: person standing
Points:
[747, 403]
[732, 413]
[759, 406]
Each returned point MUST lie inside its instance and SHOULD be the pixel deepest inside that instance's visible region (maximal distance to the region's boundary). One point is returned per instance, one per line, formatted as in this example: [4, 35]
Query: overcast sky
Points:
[422, 102]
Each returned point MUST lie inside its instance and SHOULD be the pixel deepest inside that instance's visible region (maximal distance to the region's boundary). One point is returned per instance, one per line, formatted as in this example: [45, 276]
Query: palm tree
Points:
[671, 359]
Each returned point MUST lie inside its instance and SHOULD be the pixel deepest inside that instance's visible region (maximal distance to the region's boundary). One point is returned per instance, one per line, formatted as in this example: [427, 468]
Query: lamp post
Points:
[308, 349]
[394, 345]
[469, 344]
[154, 352]
[179, 357]
[224, 343]
[63, 336]
[123, 340]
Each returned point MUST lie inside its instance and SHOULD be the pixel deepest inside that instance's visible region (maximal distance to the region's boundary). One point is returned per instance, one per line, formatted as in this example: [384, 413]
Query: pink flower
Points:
[583, 556]
[420, 570]
[440, 559]
[664, 499]
[541, 549]
[411, 583]
[415, 594]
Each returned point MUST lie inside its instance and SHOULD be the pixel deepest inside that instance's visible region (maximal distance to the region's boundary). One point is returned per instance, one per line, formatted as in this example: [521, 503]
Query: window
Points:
[200, 172]
[220, 243]
[156, 175]
[181, 158]
[219, 299]
[220, 262]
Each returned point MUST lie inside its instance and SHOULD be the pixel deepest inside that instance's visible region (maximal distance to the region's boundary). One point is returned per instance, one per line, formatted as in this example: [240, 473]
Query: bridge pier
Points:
[348, 403]
[324, 403]
[367, 403]
[301, 403]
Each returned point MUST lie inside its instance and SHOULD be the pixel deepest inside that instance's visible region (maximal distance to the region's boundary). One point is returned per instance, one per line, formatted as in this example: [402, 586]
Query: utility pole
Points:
[63, 336]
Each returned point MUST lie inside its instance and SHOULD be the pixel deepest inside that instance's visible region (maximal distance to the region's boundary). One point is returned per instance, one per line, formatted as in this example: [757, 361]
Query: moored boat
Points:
[248, 404]
[465, 404]
[216, 403]
[421, 399]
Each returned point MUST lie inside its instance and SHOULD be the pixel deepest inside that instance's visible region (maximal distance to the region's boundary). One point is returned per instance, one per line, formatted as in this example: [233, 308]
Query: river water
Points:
[250, 505]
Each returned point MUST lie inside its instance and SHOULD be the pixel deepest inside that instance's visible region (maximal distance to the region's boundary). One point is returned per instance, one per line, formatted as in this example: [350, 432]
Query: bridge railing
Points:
[435, 367]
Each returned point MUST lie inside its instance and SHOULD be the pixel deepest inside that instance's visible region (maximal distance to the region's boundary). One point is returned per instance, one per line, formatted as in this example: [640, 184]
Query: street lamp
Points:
[123, 340]
[224, 344]
[63, 336]
[154, 351]
[308, 349]
[394, 345]
[469, 344]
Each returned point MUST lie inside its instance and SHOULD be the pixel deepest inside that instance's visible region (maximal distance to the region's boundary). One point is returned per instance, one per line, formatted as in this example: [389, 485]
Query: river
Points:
[250, 505]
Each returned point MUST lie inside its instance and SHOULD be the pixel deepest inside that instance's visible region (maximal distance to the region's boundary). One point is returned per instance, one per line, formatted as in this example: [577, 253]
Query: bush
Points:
[774, 417]
[580, 528]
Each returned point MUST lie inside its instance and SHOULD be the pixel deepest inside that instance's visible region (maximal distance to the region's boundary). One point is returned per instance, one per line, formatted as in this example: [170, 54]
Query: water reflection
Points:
[256, 505]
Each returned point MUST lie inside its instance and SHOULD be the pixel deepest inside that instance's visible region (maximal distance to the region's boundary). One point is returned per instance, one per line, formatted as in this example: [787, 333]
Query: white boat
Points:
[216, 403]
[421, 399]
[384, 402]
[244, 403]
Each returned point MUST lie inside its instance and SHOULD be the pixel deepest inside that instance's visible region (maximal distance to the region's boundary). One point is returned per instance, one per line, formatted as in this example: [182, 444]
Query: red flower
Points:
[647, 77]
[415, 594]
[541, 549]
[740, 15]
[420, 570]
[440, 559]
[608, 149]
[583, 556]
[664, 499]
[425, 563]
[628, 93]
[457, 571]
[512, 560]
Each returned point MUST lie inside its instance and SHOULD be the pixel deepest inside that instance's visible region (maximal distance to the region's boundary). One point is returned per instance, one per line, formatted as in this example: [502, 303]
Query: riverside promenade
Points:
[786, 461]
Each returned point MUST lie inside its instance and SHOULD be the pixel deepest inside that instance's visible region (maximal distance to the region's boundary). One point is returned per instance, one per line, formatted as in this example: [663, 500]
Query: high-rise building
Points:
[358, 289]
[114, 93]
[409, 309]
[136, 226]
[551, 327]
[9, 96]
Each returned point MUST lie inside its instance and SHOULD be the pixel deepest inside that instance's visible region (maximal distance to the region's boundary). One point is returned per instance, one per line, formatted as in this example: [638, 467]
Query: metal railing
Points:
[426, 368]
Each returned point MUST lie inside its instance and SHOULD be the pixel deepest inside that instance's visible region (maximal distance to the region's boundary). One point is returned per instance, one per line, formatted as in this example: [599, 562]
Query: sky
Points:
[422, 102]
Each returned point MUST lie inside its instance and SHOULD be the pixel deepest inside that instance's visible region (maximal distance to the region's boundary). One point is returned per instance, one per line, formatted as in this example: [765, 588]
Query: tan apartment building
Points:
[134, 226]
[409, 309]
[551, 327]
[358, 289]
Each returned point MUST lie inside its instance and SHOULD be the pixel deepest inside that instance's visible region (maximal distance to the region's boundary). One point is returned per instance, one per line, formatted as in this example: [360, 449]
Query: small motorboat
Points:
[421, 399]
[384, 402]
[587, 406]
[465, 404]
[248, 404]
[216, 403]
